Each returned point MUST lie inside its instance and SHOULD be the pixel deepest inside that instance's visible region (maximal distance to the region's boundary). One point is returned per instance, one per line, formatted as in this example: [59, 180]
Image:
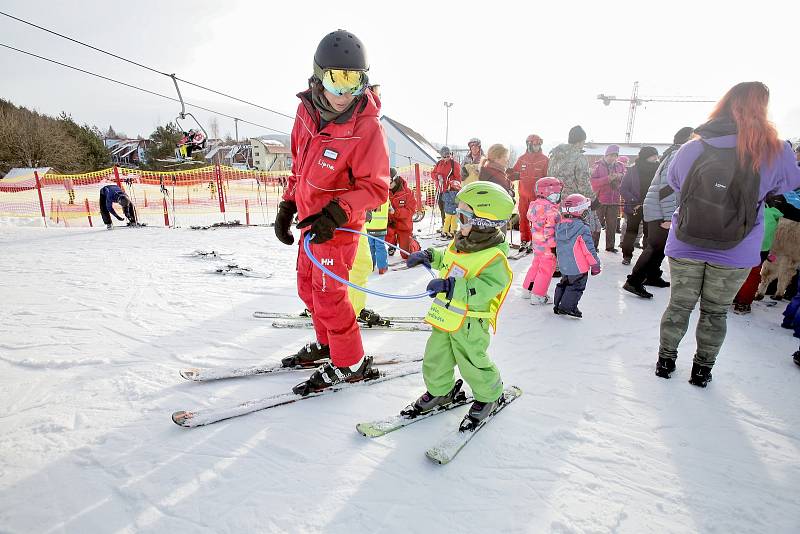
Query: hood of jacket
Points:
[568, 229]
[717, 128]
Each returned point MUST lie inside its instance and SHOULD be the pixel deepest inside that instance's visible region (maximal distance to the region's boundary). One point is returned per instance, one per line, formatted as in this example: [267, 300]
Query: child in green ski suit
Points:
[474, 279]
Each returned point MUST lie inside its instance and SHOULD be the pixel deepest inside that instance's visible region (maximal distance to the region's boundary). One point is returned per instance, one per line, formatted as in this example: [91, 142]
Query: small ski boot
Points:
[370, 318]
[741, 309]
[572, 313]
[428, 402]
[328, 375]
[478, 412]
[701, 375]
[311, 355]
[525, 247]
[664, 367]
[109, 226]
[537, 300]
[796, 357]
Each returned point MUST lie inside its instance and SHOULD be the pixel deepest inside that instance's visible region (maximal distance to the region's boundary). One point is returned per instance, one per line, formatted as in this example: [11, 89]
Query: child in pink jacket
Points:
[543, 215]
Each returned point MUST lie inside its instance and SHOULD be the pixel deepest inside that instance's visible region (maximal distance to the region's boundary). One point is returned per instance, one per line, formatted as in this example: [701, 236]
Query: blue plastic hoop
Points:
[348, 283]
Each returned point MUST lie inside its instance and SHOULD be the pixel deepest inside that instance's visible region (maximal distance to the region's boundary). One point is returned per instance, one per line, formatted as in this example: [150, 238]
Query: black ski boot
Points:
[478, 412]
[428, 402]
[311, 355]
[370, 318]
[664, 367]
[796, 357]
[701, 375]
[328, 375]
[572, 313]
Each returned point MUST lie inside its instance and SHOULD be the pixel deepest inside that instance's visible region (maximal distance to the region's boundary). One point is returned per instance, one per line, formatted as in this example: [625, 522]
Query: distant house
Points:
[270, 155]
[406, 146]
[232, 155]
[595, 151]
[127, 152]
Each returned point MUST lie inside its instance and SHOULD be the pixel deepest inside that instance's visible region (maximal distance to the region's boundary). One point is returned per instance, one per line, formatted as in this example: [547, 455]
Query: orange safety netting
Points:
[182, 198]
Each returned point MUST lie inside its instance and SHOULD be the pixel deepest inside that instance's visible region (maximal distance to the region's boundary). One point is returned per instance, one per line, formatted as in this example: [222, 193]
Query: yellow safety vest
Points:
[380, 219]
[449, 315]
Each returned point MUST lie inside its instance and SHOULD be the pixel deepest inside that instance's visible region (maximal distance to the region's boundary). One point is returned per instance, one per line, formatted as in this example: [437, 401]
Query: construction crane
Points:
[635, 102]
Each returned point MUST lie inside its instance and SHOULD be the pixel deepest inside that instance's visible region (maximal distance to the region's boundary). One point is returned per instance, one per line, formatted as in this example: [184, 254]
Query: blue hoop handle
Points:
[348, 283]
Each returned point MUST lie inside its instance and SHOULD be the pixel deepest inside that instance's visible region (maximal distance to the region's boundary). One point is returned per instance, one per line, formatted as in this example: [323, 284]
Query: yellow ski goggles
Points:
[340, 82]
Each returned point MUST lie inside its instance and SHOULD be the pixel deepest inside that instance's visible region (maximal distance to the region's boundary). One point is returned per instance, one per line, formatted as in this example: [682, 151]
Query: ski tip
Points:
[512, 392]
[368, 431]
[189, 374]
[435, 455]
[182, 417]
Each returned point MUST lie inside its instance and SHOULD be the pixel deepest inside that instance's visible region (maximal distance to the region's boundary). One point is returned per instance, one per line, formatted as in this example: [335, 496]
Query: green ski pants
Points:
[715, 286]
[466, 347]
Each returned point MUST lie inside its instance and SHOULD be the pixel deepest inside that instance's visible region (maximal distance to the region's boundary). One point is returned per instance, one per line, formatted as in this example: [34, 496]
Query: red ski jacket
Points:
[530, 167]
[404, 205]
[446, 169]
[348, 162]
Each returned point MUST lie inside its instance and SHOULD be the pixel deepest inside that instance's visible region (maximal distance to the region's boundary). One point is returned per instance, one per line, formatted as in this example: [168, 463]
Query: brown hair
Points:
[757, 140]
[495, 152]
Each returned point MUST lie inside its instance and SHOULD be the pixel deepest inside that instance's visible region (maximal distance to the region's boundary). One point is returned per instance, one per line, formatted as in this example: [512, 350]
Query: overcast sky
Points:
[510, 68]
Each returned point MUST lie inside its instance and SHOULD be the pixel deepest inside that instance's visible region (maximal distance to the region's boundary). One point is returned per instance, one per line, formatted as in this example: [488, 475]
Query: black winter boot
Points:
[637, 290]
[664, 367]
[328, 375]
[796, 357]
[311, 355]
[701, 375]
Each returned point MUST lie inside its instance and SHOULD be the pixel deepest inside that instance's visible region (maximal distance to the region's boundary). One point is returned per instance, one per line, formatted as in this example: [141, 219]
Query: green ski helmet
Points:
[490, 203]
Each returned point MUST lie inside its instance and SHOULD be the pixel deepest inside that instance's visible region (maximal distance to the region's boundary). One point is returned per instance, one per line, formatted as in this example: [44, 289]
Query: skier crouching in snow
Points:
[475, 278]
[576, 255]
[340, 169]
[543, 215]
[113, 194]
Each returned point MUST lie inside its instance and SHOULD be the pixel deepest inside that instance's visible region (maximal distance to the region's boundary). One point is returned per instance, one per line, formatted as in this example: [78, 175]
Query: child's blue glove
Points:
[423, 257]
[441, 285]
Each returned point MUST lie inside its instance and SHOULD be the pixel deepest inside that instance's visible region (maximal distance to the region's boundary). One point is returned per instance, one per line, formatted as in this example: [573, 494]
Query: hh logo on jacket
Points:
[328, 262]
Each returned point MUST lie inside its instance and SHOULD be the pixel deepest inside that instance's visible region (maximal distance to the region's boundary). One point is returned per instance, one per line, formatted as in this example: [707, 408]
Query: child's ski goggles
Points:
[340, 82]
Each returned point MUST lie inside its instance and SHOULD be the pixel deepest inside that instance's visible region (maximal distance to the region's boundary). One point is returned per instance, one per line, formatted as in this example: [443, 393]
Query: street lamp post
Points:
[447, 106]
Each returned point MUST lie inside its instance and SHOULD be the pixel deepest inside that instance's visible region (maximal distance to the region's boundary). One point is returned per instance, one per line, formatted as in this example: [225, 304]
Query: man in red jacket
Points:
[446, 169]
[530, 166]
[403, 205]
[340, 169]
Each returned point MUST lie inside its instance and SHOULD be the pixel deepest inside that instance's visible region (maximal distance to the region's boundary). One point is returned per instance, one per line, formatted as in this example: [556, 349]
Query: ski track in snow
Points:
[596, 444]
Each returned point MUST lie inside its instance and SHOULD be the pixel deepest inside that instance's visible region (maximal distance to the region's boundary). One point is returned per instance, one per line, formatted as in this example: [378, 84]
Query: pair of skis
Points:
[303, 320]
[207, 416]
[451, 444]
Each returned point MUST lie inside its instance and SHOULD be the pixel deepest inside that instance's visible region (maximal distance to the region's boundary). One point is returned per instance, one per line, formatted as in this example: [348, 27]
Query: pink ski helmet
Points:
[575, 204]
[547, 186]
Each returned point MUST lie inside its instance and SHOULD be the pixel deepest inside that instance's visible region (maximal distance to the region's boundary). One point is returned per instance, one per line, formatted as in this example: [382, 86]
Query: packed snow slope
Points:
[96, 324]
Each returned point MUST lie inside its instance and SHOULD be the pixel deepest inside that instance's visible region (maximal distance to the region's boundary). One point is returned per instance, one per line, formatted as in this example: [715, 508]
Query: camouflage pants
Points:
[715, 286]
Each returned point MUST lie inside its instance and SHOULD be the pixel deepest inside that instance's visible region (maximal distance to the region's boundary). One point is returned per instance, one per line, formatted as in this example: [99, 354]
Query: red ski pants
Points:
[327, 300]
[401, 238]
[524, 223]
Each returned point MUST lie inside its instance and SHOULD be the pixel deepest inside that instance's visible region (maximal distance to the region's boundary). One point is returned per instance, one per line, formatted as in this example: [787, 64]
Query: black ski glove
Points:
[324, 223]
[283, 221]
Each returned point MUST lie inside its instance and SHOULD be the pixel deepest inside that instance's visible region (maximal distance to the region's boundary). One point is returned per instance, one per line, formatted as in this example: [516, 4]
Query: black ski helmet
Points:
[340, 50]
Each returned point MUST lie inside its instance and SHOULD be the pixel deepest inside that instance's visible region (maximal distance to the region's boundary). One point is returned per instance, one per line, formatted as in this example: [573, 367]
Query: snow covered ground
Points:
[94, 326]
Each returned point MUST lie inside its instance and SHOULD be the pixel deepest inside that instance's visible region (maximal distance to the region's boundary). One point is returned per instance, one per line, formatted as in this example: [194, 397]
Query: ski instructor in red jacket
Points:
[340, 170]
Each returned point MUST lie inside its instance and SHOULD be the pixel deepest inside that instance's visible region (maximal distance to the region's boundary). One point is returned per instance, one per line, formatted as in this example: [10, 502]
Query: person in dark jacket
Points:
[660, 202]
[633, 189]
[113, 194]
